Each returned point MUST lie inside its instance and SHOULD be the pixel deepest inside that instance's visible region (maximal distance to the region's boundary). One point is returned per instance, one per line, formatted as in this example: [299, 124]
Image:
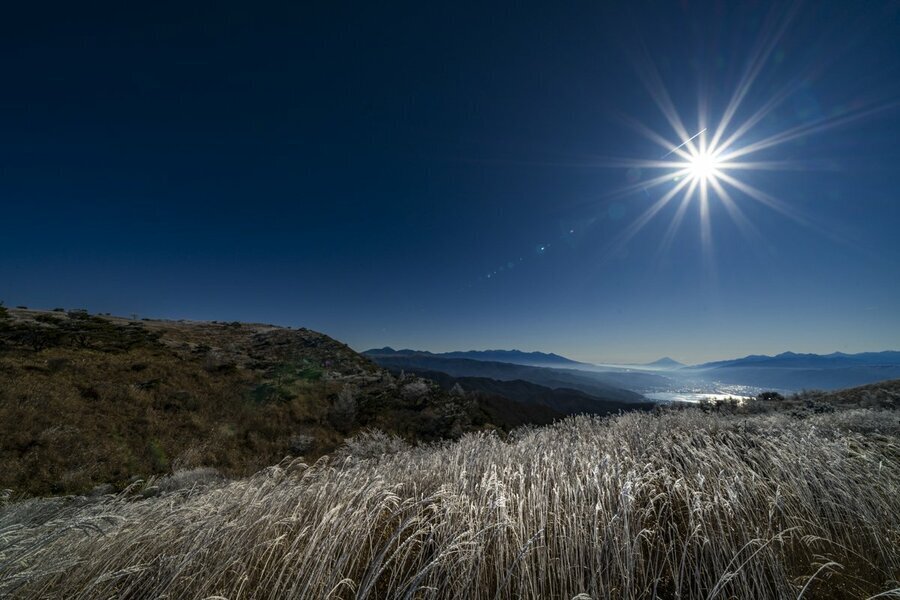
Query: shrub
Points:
[186, 479]
[48, 319]
[301, 444]
[372, 443]
[216, 363]
[310, 373]
[55, 365]
[158, 455]
[415, 390]
[342, 413]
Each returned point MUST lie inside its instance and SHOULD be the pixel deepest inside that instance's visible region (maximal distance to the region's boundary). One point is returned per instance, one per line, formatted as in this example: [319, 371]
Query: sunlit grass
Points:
[678, 504]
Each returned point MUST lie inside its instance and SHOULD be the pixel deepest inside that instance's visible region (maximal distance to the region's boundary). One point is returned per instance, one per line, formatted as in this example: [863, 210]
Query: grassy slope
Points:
[752, 503]
[87, 400]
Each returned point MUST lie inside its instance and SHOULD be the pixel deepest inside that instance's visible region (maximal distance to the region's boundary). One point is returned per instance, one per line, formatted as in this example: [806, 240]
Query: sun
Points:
[703, 166]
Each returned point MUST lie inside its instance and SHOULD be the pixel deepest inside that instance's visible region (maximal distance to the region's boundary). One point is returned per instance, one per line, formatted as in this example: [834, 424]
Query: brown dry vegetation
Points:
[88, 400]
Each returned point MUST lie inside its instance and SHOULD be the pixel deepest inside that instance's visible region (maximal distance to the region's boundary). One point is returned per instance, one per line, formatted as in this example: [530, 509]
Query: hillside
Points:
[89, 400]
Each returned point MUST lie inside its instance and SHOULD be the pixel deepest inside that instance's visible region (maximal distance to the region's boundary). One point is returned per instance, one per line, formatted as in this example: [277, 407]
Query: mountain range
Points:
[793, 371]
[615, 384]
[515, 357]
[788, 371]
[809, 361]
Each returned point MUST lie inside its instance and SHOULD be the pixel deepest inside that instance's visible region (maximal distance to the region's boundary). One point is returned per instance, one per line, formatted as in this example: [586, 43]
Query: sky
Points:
[448, 176]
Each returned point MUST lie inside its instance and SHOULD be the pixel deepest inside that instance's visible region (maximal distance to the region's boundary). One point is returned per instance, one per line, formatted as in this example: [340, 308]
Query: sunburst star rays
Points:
[705, 166]
[715, 162]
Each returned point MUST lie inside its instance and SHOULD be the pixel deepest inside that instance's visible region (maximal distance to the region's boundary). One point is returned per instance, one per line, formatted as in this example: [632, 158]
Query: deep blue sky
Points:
[361, 170]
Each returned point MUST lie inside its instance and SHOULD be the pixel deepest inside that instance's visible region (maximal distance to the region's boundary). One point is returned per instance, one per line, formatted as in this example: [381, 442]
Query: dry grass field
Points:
[671, 504]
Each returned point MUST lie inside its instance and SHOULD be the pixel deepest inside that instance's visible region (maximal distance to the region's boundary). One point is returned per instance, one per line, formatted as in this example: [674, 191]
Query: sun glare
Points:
[713, 160]
[703, 166]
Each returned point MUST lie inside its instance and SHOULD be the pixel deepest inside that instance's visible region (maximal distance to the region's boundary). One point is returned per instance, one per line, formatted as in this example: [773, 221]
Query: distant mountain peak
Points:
[665, 362]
